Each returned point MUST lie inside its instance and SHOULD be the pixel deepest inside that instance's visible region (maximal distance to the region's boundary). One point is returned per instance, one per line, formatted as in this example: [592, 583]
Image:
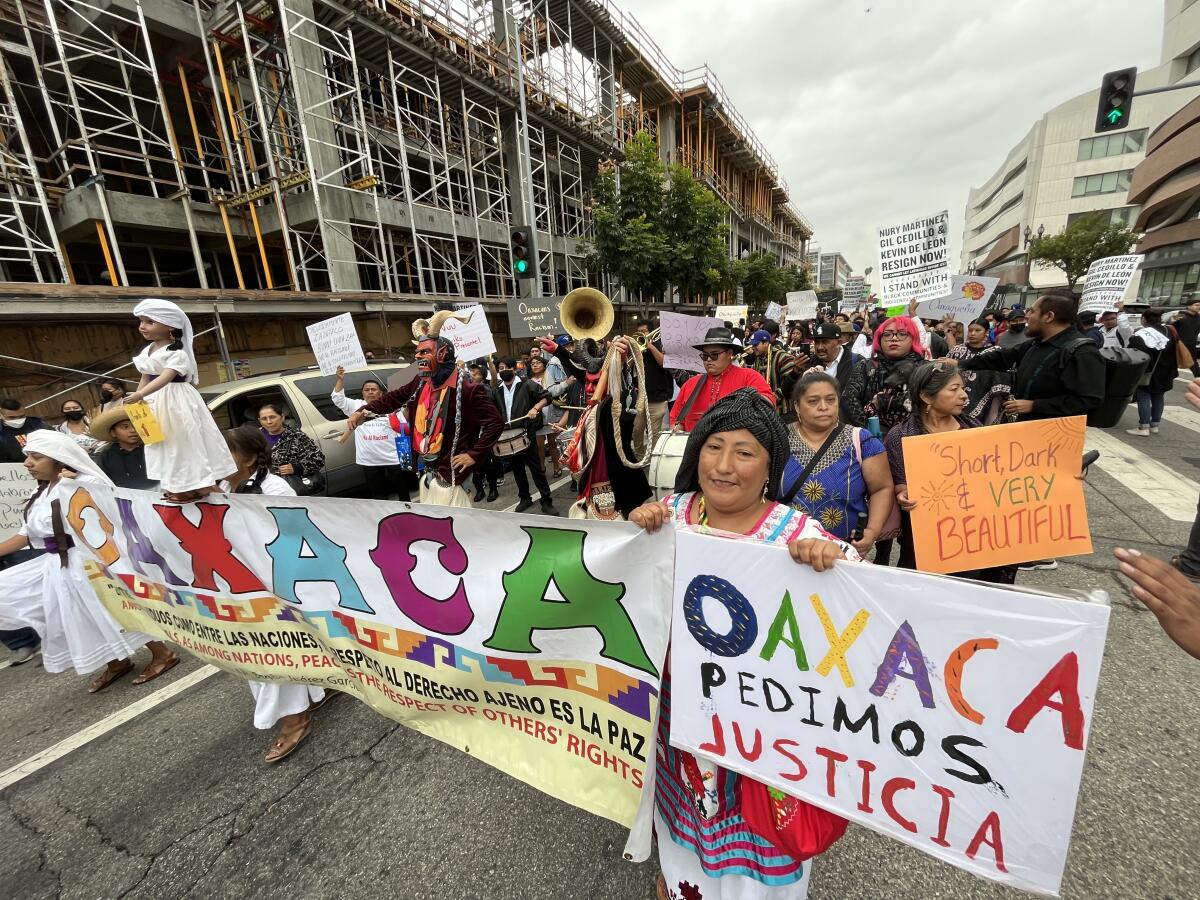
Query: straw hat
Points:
[102, 424]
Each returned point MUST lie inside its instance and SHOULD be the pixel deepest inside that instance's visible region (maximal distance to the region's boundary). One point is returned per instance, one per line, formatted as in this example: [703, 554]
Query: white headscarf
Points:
[167, 313]
[62, 449]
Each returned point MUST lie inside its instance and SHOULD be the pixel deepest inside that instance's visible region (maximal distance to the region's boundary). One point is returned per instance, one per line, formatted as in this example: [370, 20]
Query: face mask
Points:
[1017, 327]
[507, 375]
[106, 396]
[15, 423]
[75, 415]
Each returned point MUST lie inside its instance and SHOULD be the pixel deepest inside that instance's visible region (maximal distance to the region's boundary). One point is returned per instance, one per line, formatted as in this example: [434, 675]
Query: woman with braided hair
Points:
[727, 484]
[51, 592]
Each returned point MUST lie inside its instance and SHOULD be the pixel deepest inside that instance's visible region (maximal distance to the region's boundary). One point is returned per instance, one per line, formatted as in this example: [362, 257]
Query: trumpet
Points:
[642, 341]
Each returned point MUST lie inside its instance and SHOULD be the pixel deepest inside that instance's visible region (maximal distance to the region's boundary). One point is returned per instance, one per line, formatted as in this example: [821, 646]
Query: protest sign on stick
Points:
[949, 715]
[1106, 282]
[998, 495]
[852, 292]
[968, 298]
[801, 305]
[533, 316]
[679, 334]
[335, 343]
[16, 487]
[914, 260]
[538, 649]
[473, 338]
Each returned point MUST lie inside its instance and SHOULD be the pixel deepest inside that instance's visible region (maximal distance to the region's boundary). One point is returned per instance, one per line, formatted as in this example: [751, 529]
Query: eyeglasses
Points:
[712, 355]
[887, 335]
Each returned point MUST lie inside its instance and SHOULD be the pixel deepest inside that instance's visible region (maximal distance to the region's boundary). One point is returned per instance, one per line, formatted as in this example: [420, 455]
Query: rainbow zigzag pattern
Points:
[625, 693]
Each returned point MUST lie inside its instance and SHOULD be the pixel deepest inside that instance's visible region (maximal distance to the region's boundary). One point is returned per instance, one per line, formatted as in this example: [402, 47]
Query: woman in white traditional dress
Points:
[51, 593]
[192, 457]
[288, 705]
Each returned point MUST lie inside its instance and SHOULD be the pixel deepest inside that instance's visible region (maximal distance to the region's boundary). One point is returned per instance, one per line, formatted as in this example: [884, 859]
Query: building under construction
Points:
[278, 156]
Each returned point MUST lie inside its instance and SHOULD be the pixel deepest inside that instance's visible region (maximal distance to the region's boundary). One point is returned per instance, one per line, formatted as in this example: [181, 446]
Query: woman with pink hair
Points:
[879, 387]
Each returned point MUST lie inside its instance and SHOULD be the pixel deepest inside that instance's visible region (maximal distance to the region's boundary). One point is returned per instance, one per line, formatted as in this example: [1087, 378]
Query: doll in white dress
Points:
[193, 458]
[51, 593]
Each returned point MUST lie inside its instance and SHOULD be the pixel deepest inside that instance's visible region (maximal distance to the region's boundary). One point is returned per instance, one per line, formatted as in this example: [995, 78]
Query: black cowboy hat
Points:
[719, 337]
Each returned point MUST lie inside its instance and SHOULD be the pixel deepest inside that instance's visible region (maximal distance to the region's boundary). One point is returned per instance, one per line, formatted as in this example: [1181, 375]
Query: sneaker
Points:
[548, 508]
[1153, 428]
[1140, 431]
[1046, 564]
[24, 655]
[524, 505]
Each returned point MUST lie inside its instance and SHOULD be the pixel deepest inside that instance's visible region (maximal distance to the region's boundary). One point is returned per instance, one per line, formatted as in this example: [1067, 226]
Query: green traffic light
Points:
[1114, 115]
[521, 265]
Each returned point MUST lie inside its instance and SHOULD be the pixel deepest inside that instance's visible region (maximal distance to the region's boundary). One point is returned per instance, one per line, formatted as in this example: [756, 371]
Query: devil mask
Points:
[435, 359]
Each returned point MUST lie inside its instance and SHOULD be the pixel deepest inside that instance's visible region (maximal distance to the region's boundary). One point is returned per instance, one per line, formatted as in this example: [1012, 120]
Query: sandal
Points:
[286, 741]
[108, 676]
[157, 667]
[661, 892]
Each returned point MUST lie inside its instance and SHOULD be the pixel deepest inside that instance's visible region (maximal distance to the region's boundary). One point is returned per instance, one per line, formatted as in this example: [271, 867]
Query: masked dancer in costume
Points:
[454, 422]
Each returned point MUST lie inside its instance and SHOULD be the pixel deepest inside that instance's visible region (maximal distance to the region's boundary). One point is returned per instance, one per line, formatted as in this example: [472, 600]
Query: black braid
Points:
[42, 485]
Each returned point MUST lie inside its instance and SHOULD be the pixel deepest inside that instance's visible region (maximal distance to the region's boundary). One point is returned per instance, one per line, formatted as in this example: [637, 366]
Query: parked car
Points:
[304, 393]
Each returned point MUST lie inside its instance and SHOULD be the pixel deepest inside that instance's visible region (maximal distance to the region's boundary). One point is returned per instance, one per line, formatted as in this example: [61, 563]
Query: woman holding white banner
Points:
[51, 592]
[289, 705]
[717, 830]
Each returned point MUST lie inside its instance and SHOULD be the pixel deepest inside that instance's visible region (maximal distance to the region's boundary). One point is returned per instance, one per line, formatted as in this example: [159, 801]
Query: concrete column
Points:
[668, 134]
[312, 91]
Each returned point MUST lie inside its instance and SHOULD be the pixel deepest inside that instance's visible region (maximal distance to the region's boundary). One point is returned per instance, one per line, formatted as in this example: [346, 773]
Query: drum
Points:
[665, 460]
[512, 441]
[563, 440]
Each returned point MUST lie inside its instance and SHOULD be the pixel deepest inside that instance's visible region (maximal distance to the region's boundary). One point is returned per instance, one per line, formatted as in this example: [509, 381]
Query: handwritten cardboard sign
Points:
[533, 316]
[733, 313]
[801, 305]
[16, 486]
[335, 343]
[680, 333]
[952, 716]
[142, 417]
[852, 293]
[998, 495]
[472, 338]
[968, 298]
[775, 312]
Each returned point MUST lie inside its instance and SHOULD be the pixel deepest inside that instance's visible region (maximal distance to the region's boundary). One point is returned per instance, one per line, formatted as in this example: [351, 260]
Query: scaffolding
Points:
[342, 145]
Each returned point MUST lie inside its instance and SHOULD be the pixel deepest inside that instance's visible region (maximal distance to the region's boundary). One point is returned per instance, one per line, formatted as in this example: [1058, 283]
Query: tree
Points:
[650, 234]
[764, 282]
[1080, 244]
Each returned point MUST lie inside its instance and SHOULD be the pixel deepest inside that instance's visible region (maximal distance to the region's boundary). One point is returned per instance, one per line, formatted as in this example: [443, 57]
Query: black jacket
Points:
[527, 394]
[12, 440]
[127, 469]
[1063, 376]
[846, 366]
[1163, 366]
[1187, 327]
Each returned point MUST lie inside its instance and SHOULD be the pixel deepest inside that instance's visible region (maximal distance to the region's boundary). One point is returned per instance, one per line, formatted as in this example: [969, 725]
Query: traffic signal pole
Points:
[526, 174]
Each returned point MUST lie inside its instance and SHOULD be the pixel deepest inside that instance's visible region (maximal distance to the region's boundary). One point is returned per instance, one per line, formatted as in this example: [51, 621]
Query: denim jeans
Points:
[1150, 406]
[1189, 559]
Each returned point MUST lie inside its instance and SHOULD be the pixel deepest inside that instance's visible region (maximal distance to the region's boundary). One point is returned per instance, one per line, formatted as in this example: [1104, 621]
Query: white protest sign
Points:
[472, 338]
[1106, 282]
[801, 305]
[968, 297]
[947, 714]
[679, 335]
[16, 486]
[852, 293]
[774, 312]
[733, 313]
[914, 260]
[335, 343]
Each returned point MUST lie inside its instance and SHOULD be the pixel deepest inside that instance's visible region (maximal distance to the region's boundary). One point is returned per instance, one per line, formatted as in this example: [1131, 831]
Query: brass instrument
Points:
[586, 314]
[642, 341]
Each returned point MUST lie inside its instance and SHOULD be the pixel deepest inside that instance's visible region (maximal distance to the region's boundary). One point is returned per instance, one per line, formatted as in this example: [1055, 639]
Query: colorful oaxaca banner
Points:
[534, 644]
[948, 714]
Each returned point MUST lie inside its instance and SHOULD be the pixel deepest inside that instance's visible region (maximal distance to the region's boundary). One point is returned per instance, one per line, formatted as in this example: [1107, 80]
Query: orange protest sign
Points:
[997, 495]
[145, 422]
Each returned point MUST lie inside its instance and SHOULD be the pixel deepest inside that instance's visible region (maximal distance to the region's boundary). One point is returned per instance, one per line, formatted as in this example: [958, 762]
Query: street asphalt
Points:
[177, 802]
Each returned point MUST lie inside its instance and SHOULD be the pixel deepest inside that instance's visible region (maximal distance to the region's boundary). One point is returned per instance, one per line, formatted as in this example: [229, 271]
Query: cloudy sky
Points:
[883, 116]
